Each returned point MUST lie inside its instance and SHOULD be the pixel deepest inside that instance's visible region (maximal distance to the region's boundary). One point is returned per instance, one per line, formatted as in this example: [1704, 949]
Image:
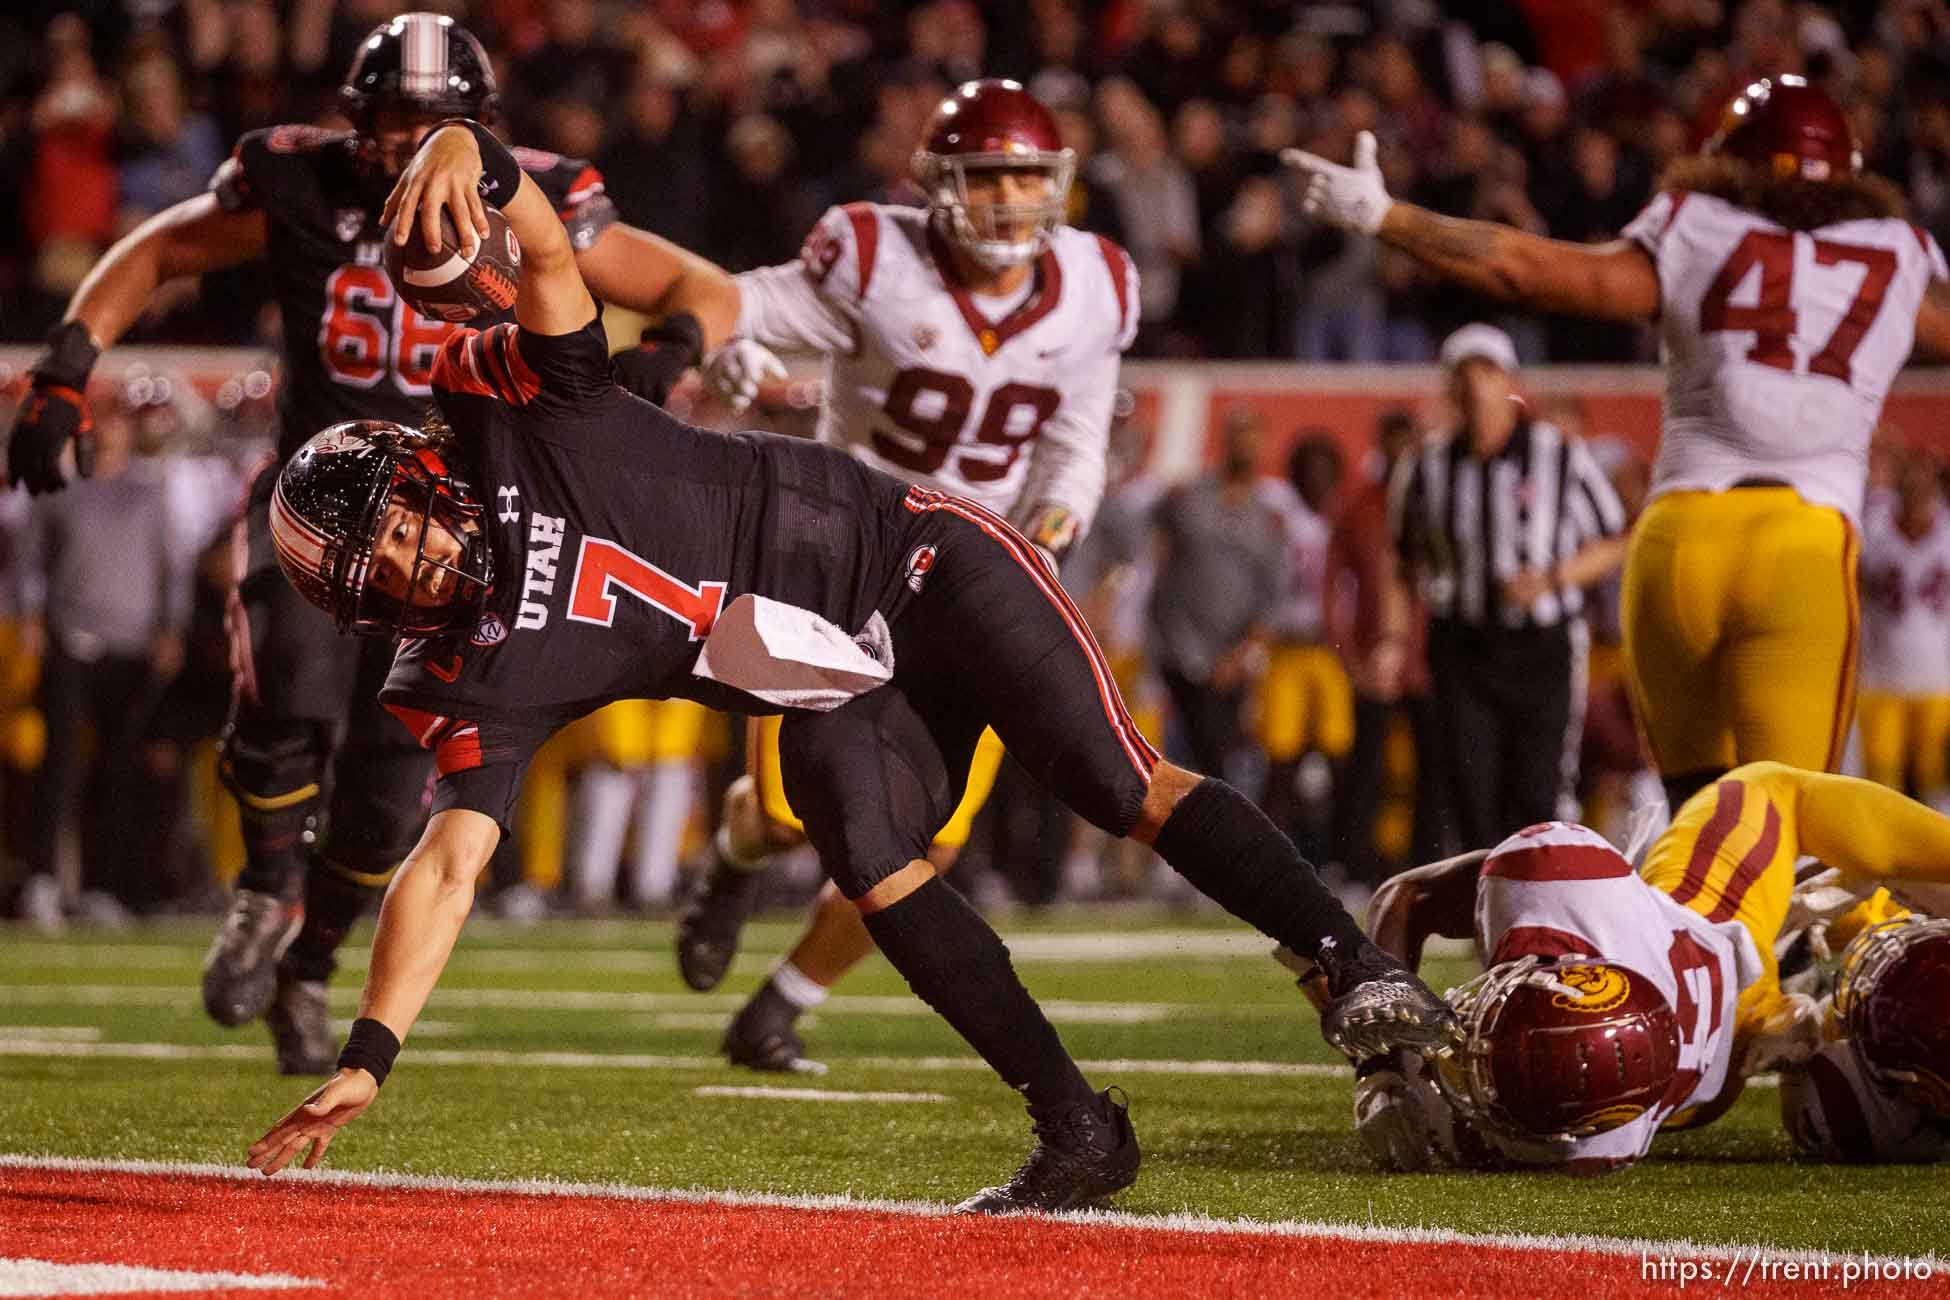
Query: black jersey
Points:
[353, 350]
[619, 533]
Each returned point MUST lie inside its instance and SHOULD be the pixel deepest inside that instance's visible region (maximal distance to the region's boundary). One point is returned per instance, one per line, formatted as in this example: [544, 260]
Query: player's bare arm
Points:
[1437, 899]
[445, 176]
[190, 238]
[419, 921]
[193, 237]
[1933, 320]
[1615, 280]
[636, 269]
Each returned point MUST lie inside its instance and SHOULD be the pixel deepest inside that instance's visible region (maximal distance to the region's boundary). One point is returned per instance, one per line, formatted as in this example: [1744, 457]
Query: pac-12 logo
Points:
[492, 631]
[919, 564]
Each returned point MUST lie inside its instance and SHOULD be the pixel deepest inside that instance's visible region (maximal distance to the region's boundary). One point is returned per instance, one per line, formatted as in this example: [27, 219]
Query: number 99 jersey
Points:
[1779, 345]
[353, 349]
[1005, 402]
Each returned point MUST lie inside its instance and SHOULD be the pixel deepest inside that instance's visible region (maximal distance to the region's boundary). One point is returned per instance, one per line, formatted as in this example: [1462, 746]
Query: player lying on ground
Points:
[972, 347]
[1670, 970]
[304, 717]
[1788, 290]
[632, 556]
[1878, 1087]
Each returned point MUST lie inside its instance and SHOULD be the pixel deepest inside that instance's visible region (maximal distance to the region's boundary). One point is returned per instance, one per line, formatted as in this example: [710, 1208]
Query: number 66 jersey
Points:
[1006, 402]
[1779, 344]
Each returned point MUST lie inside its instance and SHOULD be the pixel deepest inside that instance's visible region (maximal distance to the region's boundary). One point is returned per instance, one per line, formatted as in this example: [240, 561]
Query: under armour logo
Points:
[510, 511]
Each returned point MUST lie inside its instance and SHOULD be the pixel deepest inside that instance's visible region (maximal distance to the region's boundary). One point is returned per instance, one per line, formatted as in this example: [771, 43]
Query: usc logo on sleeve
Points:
[1591, 989]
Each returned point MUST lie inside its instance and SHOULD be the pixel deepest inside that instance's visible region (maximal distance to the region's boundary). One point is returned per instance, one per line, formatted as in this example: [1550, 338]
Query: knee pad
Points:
[272, 766]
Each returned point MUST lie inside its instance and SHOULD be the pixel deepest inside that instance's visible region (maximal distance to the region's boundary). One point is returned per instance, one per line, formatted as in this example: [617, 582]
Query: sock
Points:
[955, 963]
[1217, 839]
[662, 811]
[334, 899]
[798, 988]
[603, 798]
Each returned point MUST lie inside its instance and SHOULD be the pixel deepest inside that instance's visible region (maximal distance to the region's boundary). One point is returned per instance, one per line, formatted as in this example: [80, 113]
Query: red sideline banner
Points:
[1180, 404]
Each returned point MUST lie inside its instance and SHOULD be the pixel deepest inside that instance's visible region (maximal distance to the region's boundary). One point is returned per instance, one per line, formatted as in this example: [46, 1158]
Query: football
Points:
[444, 284]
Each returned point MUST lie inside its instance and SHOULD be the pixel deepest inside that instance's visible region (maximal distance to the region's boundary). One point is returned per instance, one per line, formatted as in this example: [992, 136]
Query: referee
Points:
[1502, 521]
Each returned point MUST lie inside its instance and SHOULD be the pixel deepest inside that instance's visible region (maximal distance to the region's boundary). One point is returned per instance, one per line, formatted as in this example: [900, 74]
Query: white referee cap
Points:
[1479, 340]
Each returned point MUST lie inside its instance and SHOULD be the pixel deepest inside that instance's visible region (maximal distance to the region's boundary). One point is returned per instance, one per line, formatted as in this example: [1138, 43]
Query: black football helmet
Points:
[326, 512]
[418, 63]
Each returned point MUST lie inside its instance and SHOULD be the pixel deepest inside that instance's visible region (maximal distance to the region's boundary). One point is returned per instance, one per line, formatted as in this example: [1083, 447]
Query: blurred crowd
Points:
[728, 126]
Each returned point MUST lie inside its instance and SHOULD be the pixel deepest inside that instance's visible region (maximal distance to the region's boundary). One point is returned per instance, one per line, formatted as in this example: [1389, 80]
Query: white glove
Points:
[735, 371]
[1354, 198]
[1402, 1118]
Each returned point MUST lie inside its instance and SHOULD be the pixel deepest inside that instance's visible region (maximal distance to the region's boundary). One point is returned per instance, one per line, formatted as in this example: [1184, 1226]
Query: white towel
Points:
[792, 657]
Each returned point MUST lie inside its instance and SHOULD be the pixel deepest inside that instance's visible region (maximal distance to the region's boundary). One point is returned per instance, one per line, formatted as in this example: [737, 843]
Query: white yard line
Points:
[33, 1047]
[1060, 1010]
[1551, 1243]
[40, 1277]
[810, 1094]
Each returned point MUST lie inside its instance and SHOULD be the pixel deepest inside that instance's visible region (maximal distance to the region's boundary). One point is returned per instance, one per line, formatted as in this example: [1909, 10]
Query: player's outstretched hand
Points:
[444, 175]
[314, 1123]
[736, 370]
[1354, 198]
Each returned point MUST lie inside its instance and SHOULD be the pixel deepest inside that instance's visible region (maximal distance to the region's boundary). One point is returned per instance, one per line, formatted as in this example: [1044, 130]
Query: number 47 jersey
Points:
[1779, 345]
[1007, 403]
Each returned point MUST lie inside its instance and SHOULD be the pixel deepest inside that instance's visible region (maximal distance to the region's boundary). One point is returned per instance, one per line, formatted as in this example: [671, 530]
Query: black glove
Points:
[56, 410]
[653, 367]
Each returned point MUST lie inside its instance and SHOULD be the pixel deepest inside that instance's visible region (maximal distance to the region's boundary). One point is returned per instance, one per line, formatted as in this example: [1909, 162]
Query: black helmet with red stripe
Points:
[419, 63]
[329, 505]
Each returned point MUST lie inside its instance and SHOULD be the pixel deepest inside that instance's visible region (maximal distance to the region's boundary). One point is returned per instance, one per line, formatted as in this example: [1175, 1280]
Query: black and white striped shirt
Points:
[1466, 525]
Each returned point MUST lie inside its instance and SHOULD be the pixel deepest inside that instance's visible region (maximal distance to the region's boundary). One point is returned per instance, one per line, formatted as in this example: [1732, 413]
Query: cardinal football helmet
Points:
[1894, 999]
[326, 511]
[1789, 126]
[994, 124]
[1560, 1049]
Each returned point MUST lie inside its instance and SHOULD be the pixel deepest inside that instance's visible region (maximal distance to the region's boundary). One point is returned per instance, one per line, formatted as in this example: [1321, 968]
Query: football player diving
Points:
[1618, 1003]
[632, 556]
[972, 347]
[331, 794]
[1788, 290]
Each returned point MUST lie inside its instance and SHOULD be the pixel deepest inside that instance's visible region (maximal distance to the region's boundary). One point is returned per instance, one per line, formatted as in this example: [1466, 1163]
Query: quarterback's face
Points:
[397, 569]
[1023, 189]
[396, 137]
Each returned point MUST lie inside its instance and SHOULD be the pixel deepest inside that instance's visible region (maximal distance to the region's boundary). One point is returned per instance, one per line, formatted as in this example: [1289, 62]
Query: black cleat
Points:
[1083, 1155]
[707, 933]
[301, 1027]
[1380, 1004]
[240, 970]
[762, 1037]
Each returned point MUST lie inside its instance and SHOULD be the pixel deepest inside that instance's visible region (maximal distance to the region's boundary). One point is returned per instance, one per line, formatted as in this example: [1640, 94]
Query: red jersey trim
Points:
[456, 744]
[991, 335]
[866, 242]
[1558, 862]
[1120, 278]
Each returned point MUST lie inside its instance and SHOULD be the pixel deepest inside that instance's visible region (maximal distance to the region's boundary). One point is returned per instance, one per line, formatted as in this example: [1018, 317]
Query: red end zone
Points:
[431, 1244]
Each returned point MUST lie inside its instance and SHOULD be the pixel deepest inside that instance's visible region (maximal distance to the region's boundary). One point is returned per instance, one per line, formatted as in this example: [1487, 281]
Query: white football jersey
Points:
[1006, 403]
[1779, 345]
[1833, 1110]
[1302, 612]
[1559, 889]
[1906, 609]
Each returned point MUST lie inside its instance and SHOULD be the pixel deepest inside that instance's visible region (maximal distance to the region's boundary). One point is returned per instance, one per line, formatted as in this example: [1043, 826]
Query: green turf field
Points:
[1266, 1145]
